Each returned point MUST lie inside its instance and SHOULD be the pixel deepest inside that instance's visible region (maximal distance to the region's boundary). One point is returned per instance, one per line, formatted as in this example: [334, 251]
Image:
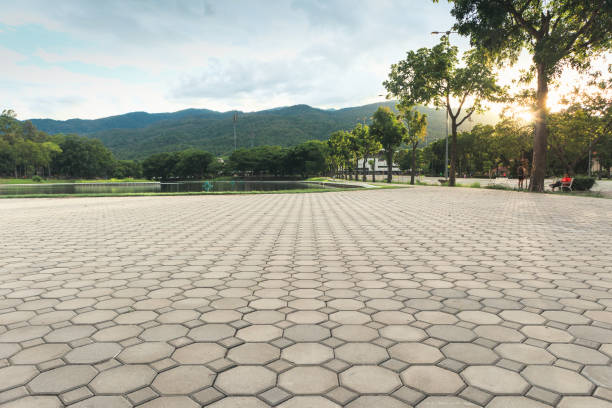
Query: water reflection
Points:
[153, 187]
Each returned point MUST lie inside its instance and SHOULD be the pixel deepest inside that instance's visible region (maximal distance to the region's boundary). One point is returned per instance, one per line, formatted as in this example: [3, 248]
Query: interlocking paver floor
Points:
[423, 297]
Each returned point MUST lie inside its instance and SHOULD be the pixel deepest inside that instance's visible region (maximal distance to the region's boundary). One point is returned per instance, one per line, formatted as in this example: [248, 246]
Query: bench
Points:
[567, 185]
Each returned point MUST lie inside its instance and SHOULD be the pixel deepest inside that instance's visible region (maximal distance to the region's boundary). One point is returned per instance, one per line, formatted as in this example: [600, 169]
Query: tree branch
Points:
[581, 31]
[509, 5]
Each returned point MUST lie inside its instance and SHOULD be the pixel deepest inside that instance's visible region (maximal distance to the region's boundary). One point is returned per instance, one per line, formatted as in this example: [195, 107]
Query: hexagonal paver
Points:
[242, 402]
[361, 353]
[93, 353]
[470, 353]
[122, 379]
[370, 379]
[165, 332]
[259, 332]
[451, 333]
[308, 353]
[368, 401]
[355, 332]
[596, 334]
[145, 353]
[547, 334]
[403, 333]
[307, 332]
[245, 380]
[450, 402]
[557, 379]
[103, 402]
[308, 401]
[23, 334]
[415, 353]
[599, 375]
[70, 333]
[211, 332]
[117, 333]
[495, 380]
[479, 317]
[254, 353]
[308, 380]
[198, 353]
[183, 379]
[171, 402]
[62, 379]
[39, 354]
[13, 376]
[524, 353]
[579, 354]
[432, 380]
[35, 401]
[514, 401]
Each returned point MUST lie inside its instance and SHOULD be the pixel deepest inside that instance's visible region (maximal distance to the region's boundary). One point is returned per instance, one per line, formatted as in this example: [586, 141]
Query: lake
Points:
[153, 187]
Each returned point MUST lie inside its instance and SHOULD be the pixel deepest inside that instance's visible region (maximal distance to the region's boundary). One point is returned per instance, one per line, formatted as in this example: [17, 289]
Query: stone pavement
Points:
[424, 297]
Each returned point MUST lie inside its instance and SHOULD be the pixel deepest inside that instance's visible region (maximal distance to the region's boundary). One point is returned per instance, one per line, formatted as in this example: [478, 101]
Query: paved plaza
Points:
[414, 297]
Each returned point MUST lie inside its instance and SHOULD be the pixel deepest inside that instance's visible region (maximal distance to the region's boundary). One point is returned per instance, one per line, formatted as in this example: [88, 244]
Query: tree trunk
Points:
[374, 169]
[389, 165]
[365, 159]
[412, 166]
[453, 152]
[356, 169]
[538, 169]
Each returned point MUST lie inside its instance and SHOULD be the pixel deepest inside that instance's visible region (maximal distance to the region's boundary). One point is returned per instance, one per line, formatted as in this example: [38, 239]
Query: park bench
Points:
[567, 184]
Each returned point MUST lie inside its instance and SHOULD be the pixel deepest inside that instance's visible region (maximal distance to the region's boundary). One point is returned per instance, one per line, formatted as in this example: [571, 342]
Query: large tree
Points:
[339, 152]
[434, 76]
[389, 132]
[555, 32]
[368, 145]
[416, 124]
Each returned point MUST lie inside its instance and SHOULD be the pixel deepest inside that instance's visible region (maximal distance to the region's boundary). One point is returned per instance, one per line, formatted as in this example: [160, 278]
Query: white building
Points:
[380, 166]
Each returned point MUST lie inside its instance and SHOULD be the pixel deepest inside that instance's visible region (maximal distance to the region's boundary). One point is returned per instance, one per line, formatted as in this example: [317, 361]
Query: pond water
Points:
[170, 187]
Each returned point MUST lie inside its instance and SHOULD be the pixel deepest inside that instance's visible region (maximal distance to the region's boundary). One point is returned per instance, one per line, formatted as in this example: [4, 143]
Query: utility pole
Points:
[447, 33]
[235, 120]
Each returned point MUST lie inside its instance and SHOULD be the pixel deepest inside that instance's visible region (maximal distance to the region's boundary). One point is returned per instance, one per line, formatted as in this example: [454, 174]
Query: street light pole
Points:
[447, 33]
[446, 150]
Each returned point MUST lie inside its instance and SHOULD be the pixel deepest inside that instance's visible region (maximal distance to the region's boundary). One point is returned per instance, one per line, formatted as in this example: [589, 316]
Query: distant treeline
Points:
[26, 152]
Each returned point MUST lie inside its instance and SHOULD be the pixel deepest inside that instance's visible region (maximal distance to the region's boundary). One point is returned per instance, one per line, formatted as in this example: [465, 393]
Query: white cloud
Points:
[211, 54]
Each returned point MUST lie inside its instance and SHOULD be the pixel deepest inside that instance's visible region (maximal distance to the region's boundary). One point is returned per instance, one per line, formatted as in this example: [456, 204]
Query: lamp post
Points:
[447, 33]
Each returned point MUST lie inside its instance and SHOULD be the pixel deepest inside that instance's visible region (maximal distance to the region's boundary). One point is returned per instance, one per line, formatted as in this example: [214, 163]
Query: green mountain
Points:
[139, 134]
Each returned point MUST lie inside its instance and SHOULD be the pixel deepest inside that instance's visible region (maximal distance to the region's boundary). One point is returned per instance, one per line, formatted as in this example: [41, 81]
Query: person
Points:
[566, 179]
[521, 176]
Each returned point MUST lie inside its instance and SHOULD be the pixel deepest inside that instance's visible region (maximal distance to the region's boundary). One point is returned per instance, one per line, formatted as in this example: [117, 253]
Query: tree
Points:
[389, 132]
[368, 146]
[432, 76]
[339, 153]
[193, 163]
[83, 157]
[416, 124]
[308, 158]
[354, 142]
[556, 33]
[160, 166]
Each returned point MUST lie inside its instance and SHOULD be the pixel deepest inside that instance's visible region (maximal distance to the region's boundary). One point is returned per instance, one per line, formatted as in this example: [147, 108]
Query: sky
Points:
[90, 59]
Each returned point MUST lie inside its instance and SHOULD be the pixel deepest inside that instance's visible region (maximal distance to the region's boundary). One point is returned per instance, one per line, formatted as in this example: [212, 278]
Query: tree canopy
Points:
[435, 76]
[555, 32]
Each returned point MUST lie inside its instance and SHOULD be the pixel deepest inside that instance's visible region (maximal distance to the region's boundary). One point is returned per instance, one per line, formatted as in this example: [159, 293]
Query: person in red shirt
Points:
[566, 179]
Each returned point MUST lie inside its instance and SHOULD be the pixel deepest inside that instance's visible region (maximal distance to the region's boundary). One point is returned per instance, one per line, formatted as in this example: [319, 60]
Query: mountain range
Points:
[137, 135]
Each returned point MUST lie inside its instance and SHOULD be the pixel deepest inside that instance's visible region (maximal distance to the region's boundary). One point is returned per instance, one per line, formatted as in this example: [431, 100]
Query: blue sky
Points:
[92, 59]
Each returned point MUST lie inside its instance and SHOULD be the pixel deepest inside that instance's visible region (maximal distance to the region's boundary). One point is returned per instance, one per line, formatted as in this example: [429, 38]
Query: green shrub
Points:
[497, 187]
[37, 179]
[475, 185]
[583, 183]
